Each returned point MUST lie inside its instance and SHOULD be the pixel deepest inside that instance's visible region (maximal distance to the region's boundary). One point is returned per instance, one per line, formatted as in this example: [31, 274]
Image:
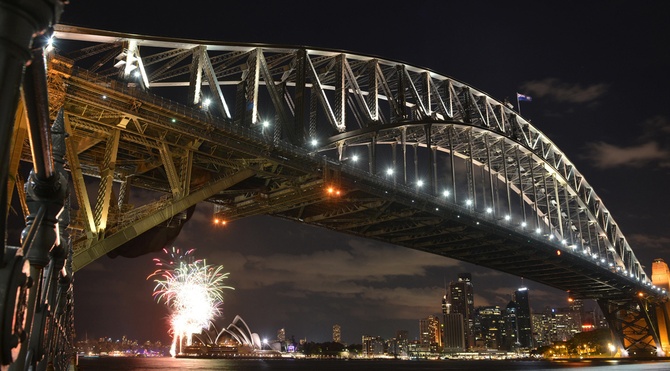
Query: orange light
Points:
[216, 221]
[558, 252]
[224, 222]
[330, 190]
[640, 294]
[571, 300]
[337, 193]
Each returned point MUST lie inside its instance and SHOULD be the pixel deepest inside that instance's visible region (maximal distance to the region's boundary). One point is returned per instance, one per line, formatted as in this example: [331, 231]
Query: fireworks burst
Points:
[192, 290]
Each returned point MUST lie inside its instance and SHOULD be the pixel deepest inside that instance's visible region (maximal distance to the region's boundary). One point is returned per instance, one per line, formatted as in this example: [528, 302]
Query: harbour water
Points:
[167, 363]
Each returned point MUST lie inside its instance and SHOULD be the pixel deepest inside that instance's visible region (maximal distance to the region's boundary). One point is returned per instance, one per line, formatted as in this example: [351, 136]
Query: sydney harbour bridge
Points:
[125, 134]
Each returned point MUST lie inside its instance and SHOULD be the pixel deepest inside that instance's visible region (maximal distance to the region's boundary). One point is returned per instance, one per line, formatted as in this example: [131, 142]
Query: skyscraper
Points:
[454, 334]
[445, 310]
[511, 334]
[461, 298]
[524, 319]
[489, 326]
[429, 332]
[337, 335]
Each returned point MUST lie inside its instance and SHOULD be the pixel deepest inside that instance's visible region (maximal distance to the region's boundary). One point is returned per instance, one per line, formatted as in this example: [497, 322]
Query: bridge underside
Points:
[402, 218]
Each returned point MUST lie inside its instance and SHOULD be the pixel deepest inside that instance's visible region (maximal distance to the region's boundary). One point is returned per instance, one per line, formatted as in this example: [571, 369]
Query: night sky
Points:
[598, 72]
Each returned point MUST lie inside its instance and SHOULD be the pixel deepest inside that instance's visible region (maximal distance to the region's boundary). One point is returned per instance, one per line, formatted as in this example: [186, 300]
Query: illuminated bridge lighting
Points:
[332, 191]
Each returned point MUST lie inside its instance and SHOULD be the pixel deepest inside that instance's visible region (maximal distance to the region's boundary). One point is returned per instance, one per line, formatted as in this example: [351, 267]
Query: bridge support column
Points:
[633, 325]
[662, 317]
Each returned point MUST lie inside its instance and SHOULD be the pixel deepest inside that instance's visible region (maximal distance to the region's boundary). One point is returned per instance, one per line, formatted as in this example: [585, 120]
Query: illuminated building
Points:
[523, 317]
[429, 332]
[660, 274]
[372, 346]
[553, 325]
[281, 335]
[337, 336]
[488, 329]
[511, 333]
[445, 310]
[399, 346]
[461, 298]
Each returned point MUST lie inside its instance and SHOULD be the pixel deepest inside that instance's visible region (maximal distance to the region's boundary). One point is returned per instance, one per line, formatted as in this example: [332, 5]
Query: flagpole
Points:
[518, 106]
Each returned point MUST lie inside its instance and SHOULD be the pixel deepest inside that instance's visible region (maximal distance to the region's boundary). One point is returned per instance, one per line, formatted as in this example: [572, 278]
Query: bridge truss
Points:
[353, 143]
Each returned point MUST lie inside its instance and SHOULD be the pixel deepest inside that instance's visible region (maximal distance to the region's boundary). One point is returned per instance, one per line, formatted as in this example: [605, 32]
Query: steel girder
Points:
[634, 324]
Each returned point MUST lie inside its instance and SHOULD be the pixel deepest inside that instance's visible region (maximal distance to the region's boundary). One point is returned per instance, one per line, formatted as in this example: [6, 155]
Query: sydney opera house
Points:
[234, 341]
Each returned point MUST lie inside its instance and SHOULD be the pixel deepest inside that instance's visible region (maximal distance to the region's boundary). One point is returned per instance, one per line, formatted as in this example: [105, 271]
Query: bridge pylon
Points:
[634, 326]
[640, 324]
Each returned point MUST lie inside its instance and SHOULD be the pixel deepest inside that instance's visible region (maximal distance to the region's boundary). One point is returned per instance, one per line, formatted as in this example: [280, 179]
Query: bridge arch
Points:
[342, 100]
[325, 105]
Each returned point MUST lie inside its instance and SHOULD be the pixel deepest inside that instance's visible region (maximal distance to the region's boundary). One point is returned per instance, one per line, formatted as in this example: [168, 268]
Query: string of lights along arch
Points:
[353, 143]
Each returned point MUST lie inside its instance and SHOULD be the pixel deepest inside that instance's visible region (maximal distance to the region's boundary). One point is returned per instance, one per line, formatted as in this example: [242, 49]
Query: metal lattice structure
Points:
[357, 144]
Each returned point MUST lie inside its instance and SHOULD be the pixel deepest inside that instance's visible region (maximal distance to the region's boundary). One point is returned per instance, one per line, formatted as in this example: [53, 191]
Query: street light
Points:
[611, 348]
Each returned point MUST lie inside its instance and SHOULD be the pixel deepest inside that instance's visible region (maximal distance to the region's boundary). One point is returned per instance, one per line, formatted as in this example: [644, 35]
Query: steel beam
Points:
[109, 243]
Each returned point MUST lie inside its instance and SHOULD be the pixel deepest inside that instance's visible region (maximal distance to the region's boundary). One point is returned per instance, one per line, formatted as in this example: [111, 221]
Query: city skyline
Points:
[597, 81]
[491, 329]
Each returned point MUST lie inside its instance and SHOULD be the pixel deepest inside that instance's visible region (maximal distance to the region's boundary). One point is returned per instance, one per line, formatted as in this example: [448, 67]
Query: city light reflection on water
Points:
[153, 364]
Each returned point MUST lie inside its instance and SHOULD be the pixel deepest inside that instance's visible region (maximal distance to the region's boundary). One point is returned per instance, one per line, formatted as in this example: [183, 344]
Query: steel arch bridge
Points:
[358, 144]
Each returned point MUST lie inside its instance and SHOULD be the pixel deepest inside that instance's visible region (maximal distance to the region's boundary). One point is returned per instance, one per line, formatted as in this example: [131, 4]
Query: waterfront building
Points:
[488, 327]
[399, 346]
[461, 298]
[454, 333]
[556, 324]
[429, 332]
[541, 329]
[510, 335]
[373, 346]
[281, 335]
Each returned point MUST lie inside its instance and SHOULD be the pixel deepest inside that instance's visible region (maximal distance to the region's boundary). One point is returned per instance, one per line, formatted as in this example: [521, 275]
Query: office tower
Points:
[511, 334]
[445, 310]
[488, 329]
[461, 298]
[281, 335]
[429, 332]
[523, 317]
[454, 333]
[337, 336]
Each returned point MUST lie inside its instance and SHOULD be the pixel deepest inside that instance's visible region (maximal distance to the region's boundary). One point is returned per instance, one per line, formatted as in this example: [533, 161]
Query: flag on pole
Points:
[523, 98]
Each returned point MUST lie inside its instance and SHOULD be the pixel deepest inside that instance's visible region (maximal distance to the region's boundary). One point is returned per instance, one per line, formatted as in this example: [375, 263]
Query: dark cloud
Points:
[605, 155]
[659, 244]
[564, 92]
